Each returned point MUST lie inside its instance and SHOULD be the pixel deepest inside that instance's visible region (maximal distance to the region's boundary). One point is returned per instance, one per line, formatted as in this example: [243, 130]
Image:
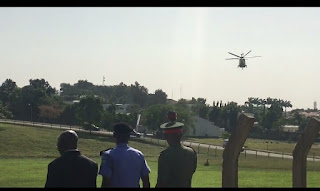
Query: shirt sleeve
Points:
[106, 165]
[145, 168]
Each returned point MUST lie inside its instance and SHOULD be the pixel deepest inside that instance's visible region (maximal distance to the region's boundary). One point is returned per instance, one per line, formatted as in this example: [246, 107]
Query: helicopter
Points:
[242, 59]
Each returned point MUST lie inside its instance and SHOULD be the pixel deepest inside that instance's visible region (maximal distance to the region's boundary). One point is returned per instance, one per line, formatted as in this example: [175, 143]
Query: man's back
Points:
[176, 166]
[124, 165]
[72, 170]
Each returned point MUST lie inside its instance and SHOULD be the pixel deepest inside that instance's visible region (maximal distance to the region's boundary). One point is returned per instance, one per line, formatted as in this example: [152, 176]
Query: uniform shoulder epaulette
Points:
[163, 151]
[105, 150]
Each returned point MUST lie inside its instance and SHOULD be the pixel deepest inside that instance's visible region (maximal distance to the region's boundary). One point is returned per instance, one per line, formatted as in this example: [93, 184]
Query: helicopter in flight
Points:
[242, 59]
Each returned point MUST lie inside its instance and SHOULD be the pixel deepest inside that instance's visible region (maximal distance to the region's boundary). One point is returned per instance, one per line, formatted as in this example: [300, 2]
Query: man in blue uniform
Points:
[123, 166]
[177, 163]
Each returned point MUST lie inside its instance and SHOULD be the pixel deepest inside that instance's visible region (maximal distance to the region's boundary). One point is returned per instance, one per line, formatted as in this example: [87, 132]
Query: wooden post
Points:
[313, 157]
[300, 153]
[233, 148]
[199, 148]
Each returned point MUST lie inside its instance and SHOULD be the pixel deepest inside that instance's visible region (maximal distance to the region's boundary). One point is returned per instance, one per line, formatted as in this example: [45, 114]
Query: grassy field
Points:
[261, 144]
[25, 153]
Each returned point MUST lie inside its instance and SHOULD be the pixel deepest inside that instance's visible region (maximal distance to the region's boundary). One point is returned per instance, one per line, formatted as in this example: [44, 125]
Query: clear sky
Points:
[179, 50]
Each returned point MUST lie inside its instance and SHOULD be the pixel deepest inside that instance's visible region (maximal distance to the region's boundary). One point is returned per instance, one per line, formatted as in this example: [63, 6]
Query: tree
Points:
[214, 115]
[90, 110]
[49, 113]
[42, 85]
[285, 105]
[159, 97]
[182, 103]
[68, 115]
[274, 113]
[4, 112]
[139, 94]
[203, 111]
[83, 84]
[6, 89]
[199, 107]
[201, 101]
[107, 120]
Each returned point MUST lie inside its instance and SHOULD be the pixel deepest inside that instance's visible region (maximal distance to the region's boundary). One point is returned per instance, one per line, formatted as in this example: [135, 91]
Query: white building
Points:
[205, 128]
[290, 128]
[120, 108]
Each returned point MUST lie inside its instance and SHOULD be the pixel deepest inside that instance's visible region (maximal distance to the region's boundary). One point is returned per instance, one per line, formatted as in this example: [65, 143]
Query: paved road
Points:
[107, 133]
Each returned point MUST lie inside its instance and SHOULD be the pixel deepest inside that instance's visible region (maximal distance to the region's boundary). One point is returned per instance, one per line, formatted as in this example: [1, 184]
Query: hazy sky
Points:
[179, 50]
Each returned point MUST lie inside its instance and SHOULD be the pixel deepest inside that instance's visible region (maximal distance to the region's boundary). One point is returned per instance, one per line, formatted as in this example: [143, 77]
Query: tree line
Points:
[38, 101]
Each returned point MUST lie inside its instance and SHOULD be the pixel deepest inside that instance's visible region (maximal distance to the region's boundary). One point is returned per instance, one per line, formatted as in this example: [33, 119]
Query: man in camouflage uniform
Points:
[177, 163]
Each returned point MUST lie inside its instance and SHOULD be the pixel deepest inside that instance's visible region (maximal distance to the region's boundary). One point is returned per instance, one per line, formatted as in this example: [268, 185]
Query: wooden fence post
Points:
[233, 148]
[301, 150]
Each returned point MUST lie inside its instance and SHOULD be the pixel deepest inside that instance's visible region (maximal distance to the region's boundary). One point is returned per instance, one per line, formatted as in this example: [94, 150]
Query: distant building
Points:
[315, 105]
[290, 128]
[71, 102]
[205, 128]
[171, 101]
[309, 114]
[120, 108]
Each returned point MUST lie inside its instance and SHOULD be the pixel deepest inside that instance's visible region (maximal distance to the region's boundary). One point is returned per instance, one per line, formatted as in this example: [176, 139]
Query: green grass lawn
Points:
[25, 153]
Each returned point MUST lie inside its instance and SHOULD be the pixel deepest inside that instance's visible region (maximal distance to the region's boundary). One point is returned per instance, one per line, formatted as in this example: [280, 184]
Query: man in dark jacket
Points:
[72, 169]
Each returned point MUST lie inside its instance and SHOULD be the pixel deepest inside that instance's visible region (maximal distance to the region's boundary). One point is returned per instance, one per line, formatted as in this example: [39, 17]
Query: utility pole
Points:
[30, 111]
[180, 90]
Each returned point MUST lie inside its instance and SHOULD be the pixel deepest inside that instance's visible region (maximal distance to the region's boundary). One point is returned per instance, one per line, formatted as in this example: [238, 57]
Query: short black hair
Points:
[122, 128]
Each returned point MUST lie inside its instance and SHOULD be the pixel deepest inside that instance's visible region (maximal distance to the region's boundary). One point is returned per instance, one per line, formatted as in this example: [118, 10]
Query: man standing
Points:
[177, 163]
[123, 166]
[72, 169]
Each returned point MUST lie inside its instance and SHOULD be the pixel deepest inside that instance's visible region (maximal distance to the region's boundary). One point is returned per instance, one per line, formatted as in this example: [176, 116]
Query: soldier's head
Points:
[173, 136]
[173, 129]
[121, 131]
[67, 140]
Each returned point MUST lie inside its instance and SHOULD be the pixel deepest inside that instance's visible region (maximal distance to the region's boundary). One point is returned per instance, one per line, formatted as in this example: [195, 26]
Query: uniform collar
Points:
[71, 152]
[175, 145]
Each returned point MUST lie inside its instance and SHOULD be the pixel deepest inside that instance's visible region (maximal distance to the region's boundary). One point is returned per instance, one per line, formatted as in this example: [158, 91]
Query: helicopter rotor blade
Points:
[247, 53]
[234, 54]
[232, 59]
[253, 57]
